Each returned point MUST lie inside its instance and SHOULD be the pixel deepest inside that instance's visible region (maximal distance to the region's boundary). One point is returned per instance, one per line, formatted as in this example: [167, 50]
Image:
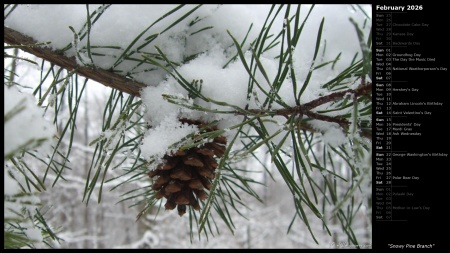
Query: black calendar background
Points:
[417, 226]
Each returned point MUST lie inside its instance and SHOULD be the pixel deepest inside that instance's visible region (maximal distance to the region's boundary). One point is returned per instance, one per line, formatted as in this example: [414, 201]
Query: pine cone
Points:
[184, 175]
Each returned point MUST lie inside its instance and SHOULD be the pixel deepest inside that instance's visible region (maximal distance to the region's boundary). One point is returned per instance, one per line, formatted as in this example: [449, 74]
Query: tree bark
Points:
[102, 76]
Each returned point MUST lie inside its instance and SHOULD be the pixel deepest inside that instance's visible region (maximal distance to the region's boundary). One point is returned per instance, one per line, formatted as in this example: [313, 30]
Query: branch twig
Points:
[306, 108]
[102, 76]
[361, 90]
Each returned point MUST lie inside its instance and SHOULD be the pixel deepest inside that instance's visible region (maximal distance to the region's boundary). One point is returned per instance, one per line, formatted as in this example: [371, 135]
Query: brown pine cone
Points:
[185, 174]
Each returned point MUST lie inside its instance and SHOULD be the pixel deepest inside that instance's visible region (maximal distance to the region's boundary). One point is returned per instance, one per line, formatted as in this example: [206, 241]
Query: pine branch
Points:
[360, 91]
[123, 84]
[102, 76]
[305, 109]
